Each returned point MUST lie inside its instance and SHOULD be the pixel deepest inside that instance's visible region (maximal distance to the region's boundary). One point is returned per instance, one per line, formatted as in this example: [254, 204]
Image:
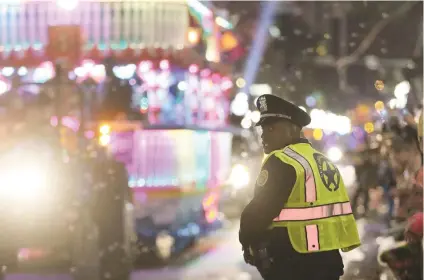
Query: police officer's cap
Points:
[273, 108]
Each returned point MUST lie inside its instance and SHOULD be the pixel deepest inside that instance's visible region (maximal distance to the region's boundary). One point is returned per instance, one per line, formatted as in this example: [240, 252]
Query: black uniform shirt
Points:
[267, 202]
[271, 194]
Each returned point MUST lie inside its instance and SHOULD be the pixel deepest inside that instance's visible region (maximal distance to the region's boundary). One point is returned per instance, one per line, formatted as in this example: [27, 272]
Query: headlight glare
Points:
[239, 177]
[27, 181]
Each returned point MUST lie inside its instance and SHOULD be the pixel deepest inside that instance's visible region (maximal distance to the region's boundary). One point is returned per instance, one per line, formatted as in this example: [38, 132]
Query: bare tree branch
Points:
[372, 35]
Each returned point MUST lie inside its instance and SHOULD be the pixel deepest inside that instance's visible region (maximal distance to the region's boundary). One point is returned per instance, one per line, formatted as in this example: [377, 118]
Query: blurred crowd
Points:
[390, 185]
[392, 166]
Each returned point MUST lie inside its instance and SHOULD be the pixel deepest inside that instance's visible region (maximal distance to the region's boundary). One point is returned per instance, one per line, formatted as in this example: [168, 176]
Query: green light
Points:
[123, 45]
[102, 46]
[38, 46]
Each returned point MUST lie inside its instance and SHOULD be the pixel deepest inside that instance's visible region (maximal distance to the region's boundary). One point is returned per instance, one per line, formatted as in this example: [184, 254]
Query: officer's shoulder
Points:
[273, 163]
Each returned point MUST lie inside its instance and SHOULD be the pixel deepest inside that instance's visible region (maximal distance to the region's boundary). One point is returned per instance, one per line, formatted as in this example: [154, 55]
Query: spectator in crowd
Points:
[405, 260]
[406, 162]
[367, 174]
[387, 180]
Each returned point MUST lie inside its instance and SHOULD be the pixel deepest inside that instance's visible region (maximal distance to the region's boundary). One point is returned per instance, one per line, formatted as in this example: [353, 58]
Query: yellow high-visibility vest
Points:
[318, 214]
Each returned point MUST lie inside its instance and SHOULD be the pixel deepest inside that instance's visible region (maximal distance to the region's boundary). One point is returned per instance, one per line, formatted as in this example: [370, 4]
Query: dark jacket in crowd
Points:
[110, 194]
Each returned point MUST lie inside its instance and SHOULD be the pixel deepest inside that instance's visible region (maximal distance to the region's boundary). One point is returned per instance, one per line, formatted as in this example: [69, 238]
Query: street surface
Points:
[225, 261]
[219, 256]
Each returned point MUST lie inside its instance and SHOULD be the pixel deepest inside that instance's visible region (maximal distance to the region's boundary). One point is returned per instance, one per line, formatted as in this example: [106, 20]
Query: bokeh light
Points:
[317, 134]
[369, 127]
[379, 105]
[240, 82]
[379, 85]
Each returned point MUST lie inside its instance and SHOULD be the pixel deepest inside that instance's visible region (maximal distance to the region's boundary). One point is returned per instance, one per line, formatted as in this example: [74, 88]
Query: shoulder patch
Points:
[262, 178]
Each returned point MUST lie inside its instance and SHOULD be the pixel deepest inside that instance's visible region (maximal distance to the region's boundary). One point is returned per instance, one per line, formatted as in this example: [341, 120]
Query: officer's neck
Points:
[290, 141]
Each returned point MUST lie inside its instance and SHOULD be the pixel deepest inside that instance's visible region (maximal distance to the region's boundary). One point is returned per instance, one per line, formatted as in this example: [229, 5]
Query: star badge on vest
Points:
[262, 178]
[328, 172]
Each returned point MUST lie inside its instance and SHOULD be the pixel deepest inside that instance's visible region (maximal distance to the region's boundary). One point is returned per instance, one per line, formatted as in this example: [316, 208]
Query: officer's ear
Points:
[293, 130]
[297, 131]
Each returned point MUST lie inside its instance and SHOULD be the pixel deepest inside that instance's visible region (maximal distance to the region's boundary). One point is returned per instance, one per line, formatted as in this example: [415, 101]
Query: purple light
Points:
[68, 122]
[226, 83]
[205, 73]
[357, 133]
[258, 46]
[89, 134]
[71, 123]
[311, 101]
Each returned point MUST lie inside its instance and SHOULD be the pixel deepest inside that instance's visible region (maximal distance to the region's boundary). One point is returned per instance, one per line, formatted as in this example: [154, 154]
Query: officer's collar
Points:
[300, 141]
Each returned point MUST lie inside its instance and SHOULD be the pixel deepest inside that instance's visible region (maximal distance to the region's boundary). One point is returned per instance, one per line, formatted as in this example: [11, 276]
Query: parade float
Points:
[178, 157]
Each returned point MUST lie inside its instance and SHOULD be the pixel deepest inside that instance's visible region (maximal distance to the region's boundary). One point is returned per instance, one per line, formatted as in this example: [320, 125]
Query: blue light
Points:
[311, 101]
[202, 142]
[144, 103]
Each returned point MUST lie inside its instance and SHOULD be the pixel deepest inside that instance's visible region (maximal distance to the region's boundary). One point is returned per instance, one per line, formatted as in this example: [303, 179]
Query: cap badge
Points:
[262, 104]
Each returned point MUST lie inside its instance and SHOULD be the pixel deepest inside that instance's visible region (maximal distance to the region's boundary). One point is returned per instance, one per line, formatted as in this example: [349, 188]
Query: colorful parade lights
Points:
[68, 5]
[104, 138]
[4, 86]
[144, 105]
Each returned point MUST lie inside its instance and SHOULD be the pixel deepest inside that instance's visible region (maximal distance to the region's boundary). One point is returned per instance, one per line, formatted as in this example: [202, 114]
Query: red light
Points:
[30, 253]
[216, 78]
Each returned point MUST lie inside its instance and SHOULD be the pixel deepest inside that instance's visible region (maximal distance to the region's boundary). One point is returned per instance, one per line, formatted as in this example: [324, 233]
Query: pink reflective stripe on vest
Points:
[310, 186]
[312, 237]
[314, 213]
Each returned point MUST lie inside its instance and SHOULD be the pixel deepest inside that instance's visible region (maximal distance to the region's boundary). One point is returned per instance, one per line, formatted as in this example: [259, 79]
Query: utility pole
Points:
[340, 13]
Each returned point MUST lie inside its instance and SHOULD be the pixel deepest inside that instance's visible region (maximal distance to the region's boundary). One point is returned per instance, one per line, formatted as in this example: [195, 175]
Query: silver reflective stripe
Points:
[310, 185]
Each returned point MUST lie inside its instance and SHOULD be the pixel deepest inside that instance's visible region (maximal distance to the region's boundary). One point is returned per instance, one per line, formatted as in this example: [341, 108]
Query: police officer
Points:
[300, 215]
